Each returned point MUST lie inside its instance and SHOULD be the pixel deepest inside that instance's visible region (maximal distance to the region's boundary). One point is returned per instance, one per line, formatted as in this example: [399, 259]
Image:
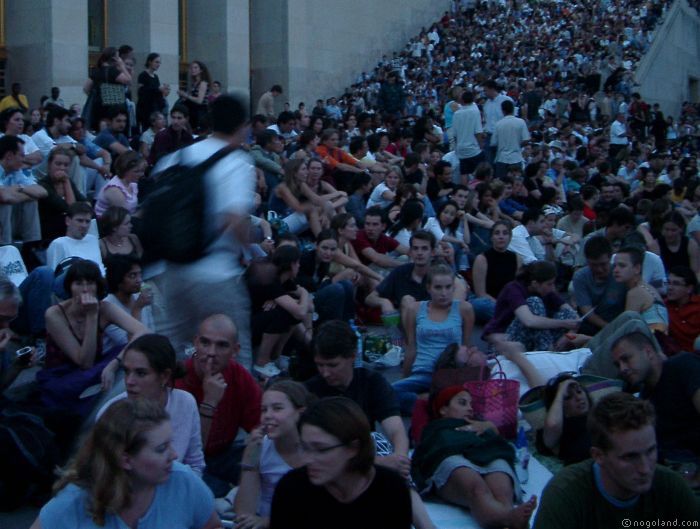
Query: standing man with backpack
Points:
[194, 283]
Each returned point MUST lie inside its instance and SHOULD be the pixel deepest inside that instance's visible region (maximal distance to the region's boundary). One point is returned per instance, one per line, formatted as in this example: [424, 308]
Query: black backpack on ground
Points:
[173, 226]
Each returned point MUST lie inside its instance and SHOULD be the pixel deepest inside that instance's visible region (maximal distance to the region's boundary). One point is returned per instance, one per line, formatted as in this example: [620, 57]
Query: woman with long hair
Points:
[339, 480]
[150, 369]
[117, 238]
[677, 249]
[431, 326]
[126, 474]
[290, 199]
[322, 193]
[410, 220]
[111, 71]
[345, 226]
[123, 189]
[195, 97]
[529, 314]
[272, 450]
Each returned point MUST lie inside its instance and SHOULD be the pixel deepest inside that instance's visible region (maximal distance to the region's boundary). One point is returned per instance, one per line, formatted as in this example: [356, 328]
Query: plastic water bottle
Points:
[358, 357]
[522, 457]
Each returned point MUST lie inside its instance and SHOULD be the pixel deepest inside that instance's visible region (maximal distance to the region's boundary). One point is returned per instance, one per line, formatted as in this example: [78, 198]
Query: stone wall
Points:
[316, 48]
[666, 73]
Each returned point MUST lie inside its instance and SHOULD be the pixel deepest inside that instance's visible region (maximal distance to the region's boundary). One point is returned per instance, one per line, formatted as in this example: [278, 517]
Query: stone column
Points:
[148, 26]
[218, 35]
[47, 46]
[269, 50]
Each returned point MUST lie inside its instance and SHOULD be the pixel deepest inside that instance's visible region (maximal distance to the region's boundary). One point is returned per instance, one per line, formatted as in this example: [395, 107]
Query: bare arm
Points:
[554, 421]
[481, 267]
[249, 488]
[355, 264]
[529, 319]
[380, 259]
[410, 330]
[467, 313]
[375, 300]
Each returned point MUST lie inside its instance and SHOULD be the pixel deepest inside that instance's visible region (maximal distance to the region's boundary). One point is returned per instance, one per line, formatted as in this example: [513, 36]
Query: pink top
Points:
[131, 193]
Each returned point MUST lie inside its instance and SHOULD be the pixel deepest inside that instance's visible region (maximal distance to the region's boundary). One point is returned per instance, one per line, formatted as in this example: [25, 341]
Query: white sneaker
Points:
[269, 370]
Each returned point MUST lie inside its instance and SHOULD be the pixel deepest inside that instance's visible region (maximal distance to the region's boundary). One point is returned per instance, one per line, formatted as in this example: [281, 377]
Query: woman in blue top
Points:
[125, 475]
[430, 327]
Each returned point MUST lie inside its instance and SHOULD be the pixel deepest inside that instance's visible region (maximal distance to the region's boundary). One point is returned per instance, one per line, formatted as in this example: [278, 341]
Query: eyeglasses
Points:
[316, 450]
[677, 283]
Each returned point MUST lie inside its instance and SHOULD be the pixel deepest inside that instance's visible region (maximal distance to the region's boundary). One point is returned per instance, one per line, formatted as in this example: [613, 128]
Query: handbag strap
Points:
[501, 374]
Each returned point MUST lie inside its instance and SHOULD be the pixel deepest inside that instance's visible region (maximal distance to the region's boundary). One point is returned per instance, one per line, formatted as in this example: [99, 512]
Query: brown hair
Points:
[344, 419]
[97, 466]
[618, 412]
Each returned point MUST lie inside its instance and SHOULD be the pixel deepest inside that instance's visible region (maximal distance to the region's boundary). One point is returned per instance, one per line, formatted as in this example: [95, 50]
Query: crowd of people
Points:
[501, 173]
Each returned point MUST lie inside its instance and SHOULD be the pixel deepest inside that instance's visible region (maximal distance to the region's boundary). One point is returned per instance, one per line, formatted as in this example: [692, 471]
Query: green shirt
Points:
[571, 500]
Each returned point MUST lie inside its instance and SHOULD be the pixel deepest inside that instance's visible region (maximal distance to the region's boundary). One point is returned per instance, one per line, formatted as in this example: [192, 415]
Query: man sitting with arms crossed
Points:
[622, 485]
[228, 398]
[19, 193]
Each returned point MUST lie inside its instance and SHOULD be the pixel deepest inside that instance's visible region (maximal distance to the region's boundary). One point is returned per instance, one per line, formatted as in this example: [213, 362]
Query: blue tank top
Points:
[432, 337]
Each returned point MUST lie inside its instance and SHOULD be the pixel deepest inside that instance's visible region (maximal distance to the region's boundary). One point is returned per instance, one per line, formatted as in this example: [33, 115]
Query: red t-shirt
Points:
[684, 322]
[588, 212]
[384, 244]
[239, 407]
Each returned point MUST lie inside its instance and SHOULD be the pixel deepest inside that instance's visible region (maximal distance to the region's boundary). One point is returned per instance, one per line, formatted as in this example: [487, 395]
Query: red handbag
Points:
[496, 400]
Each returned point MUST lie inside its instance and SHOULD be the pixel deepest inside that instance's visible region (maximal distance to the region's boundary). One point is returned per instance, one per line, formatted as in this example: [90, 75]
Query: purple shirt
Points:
[514, 295]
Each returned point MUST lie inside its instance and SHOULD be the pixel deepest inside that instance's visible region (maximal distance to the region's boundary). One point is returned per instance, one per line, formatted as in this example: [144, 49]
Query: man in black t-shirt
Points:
[335, 350]
[672, 385]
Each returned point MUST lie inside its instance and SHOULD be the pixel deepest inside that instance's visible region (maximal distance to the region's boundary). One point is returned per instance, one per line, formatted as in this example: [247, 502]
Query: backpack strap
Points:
[216, 157]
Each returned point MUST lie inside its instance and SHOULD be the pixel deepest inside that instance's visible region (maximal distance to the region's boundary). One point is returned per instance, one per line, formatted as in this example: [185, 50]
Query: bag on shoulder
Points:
[173, 226]
[112, 94]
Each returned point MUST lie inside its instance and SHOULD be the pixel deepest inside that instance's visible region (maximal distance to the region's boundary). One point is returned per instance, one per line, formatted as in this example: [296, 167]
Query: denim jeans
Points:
[483, 308]
[407, 390]
[36, 291]
[335, 301]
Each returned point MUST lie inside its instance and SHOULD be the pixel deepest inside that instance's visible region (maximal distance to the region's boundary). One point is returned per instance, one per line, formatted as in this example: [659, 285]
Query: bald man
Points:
[228, 398]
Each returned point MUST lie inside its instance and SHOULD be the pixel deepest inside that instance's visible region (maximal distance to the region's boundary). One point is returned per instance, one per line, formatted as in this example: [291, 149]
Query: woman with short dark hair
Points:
[74, 327]
[339, 486]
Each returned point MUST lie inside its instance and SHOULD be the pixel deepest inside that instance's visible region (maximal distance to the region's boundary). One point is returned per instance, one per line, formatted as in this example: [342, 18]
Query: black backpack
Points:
[173, 225]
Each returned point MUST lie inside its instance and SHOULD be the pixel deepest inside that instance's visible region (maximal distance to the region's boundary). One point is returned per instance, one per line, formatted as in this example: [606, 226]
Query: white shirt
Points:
[86, 248]
[618, 133]
[230, 190]
[525, 245]
[493, 112]
[466, 124]
[508, 136]
[45, 143]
